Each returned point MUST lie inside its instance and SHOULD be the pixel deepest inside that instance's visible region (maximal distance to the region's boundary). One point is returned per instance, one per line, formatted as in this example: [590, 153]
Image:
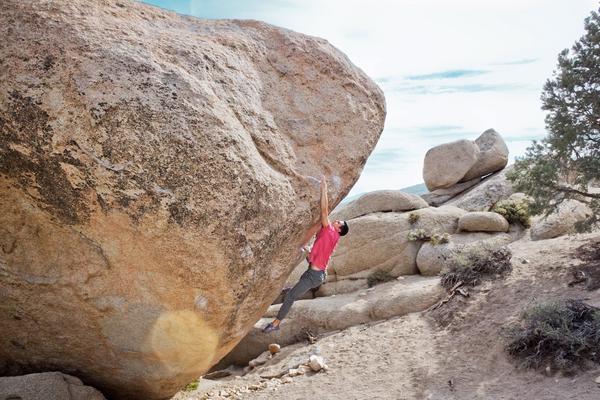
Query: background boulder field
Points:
[155, 180]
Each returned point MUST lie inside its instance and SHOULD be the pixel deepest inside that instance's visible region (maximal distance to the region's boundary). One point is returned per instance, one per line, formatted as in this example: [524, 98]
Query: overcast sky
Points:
[450, 69]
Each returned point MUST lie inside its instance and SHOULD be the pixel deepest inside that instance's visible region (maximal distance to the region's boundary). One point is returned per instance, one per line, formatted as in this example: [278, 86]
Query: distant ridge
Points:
[418, 189]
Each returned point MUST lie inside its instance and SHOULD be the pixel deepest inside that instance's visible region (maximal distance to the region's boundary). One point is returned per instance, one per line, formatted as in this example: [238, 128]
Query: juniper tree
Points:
[565, 163]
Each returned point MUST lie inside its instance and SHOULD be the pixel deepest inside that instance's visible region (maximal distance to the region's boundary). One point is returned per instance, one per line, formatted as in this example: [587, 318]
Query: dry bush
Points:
[563, 335]
[477, 265]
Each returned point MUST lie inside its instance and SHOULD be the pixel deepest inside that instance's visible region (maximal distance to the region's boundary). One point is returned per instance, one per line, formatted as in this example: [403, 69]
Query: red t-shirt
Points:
[325, 243]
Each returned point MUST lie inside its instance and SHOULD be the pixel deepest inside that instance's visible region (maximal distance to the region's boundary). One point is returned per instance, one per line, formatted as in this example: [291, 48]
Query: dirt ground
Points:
[454, 352]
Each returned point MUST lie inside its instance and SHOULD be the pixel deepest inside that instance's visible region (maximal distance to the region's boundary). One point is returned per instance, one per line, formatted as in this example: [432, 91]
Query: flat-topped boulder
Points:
[156, 177]
[440, 196]
[326, 314]
[485, 194]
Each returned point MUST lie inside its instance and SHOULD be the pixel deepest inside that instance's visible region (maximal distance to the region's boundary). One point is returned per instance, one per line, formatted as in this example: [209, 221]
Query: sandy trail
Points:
[455, 353]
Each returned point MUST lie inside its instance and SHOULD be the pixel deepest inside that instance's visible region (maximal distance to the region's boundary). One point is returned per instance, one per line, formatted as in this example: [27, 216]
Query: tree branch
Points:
[565, 189]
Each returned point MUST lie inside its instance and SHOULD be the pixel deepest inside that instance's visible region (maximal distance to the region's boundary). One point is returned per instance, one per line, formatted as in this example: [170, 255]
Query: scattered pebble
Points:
[286, 379]
[525, 261]
[274, 348]
[597, 380]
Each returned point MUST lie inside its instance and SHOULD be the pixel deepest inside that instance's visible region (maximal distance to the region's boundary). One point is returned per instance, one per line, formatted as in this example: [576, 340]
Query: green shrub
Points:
[377, 277]
[191, 386]
[563, 335]
[515, 211]
[473, 267]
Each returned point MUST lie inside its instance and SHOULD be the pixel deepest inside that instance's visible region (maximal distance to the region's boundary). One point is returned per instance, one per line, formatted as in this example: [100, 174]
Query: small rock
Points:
[296, 371]
[274, 348]
[524, 261]
[316, 363]
[286, 379]
[597, 380]
[548, 371]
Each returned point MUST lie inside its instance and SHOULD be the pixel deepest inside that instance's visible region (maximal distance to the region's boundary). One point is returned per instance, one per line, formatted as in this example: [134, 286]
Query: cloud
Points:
[449, 74]
[518, 62]
[464, 88]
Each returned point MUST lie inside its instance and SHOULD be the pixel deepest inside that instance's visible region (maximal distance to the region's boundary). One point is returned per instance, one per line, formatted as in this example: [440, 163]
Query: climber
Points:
[318, 258]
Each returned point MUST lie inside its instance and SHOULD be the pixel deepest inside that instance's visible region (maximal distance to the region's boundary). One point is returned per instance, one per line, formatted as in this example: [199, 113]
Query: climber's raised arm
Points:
[324, 203]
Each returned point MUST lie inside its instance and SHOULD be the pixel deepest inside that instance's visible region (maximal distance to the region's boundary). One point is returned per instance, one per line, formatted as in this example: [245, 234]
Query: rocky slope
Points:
[155, 181]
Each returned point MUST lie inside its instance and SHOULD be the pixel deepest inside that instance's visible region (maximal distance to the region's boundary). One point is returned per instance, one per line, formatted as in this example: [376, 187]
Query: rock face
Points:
[561, 222]
[153, 182]
[482, 197]
[379, 242]
[46, 386]
[379, 201]
[448, 163]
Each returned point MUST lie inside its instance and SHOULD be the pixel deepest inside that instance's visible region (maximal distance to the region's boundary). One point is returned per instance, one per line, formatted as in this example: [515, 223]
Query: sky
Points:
[449, 69]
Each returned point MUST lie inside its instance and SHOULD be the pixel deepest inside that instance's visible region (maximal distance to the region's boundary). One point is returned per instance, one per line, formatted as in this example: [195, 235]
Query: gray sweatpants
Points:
[310, 279]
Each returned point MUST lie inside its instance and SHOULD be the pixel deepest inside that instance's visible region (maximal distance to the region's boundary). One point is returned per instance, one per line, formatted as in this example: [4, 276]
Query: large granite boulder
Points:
[46, 386]
[493, 155]
[154, 182]
[560, 222]
[379, 201]
[448, 163]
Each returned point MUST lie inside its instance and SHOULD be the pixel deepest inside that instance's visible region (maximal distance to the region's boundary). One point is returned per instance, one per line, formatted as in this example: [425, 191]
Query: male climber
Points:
[318, 258]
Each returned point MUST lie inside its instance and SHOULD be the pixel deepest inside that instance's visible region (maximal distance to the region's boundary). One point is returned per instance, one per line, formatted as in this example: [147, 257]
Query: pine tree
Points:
[566, 163]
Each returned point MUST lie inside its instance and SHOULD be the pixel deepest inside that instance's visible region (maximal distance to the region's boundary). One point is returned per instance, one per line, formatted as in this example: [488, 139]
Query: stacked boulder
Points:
[452, 168]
